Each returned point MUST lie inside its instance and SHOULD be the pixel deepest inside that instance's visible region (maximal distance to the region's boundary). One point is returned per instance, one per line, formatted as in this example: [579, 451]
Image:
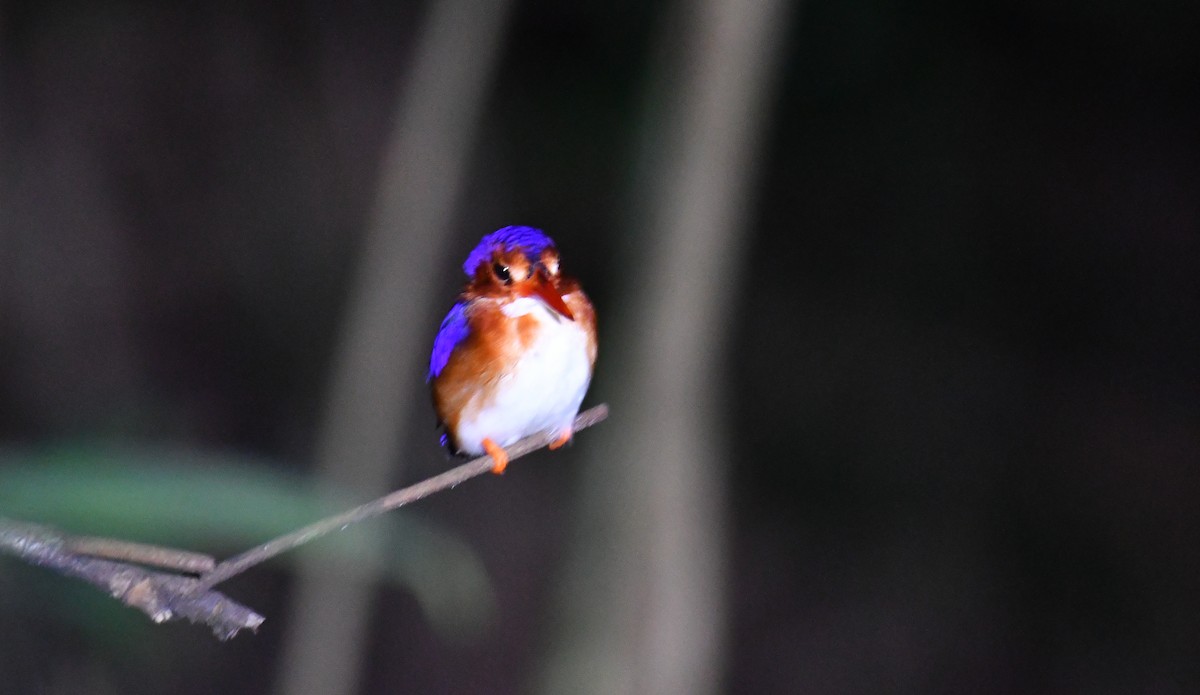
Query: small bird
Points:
[516, 352]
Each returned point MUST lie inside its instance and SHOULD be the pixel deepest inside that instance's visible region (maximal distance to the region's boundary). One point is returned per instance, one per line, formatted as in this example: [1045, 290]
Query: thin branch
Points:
[163, 597]
[139, 553]
[166, 597]
[451, 478]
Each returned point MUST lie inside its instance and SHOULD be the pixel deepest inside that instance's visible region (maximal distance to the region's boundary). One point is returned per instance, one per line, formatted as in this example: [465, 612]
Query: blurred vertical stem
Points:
[642, 605]
[373, 383]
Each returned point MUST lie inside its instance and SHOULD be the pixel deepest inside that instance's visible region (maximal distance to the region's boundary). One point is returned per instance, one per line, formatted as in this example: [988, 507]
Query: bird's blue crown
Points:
[531, 241]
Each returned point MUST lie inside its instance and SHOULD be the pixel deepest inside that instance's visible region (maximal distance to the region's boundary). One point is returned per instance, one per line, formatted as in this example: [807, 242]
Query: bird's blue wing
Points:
[452, 332]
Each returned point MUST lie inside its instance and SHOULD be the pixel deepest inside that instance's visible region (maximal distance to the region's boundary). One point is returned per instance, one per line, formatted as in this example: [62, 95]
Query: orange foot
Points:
[562, 439]
[498, 454]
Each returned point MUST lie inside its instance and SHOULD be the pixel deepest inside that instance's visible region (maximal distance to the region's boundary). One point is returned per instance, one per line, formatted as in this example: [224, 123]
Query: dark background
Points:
[961, 368]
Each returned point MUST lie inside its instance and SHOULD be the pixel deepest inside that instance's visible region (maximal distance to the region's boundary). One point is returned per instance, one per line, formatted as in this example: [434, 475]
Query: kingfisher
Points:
[515, 354]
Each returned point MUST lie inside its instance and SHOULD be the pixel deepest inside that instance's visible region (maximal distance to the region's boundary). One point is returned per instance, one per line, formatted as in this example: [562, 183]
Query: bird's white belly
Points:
[541, 391]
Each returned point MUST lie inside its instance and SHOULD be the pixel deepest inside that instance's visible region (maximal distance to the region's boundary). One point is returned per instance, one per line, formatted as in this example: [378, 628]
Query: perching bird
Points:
[515, 354]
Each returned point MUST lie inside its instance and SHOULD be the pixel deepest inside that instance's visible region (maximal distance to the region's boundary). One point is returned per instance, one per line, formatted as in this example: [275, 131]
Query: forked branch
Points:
[161, 596]
[114, 565]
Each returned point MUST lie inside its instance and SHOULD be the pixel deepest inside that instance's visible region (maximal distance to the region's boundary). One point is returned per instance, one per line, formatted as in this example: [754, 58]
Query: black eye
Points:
[501, 272]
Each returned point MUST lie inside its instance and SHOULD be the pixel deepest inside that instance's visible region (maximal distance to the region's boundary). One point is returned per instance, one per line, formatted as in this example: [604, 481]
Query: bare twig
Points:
[451, 478]
[161, 596]
[141, 554]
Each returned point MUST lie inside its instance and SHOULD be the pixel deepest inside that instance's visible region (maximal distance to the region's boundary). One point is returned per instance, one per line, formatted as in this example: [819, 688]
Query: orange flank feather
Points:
[585, 315]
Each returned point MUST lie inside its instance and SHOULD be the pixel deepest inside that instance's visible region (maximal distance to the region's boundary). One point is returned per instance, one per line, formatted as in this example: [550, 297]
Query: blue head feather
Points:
[452, 332]
[531, 241]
